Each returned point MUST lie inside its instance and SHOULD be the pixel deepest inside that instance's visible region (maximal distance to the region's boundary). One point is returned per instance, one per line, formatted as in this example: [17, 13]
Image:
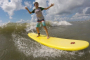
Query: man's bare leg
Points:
[38, 31]
[46, 31]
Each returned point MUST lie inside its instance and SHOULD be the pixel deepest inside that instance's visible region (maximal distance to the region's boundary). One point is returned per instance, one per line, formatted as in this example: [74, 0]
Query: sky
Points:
[68, 10]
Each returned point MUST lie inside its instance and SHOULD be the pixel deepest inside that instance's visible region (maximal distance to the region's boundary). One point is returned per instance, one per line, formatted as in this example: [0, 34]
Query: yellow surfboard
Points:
[60, 43]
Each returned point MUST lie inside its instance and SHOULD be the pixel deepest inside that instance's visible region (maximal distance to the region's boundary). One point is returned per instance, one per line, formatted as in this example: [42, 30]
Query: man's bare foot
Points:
[48, 37]
[38, 35]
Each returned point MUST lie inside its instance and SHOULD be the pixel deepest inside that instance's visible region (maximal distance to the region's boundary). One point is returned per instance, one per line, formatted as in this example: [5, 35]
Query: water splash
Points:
[32, 48]
[30, 27]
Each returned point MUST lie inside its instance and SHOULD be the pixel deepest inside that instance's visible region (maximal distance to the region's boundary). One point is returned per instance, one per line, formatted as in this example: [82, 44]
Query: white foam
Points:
[31, 26]
[59, 23]
[3, 24]
[32, 48]
[21, 21]
[64, 23]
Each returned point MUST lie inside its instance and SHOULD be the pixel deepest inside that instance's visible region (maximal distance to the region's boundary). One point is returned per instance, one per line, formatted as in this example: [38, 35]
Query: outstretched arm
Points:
[49, 7]
[28, 10]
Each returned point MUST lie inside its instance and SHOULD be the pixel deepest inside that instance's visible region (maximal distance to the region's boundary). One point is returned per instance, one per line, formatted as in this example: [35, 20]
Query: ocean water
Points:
[16, 45]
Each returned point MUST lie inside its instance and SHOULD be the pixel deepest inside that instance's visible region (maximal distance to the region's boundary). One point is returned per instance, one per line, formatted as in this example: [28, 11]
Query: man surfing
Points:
[40, 18]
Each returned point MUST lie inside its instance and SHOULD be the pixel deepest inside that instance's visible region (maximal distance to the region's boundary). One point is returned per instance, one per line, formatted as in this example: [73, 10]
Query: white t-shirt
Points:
[39, 13]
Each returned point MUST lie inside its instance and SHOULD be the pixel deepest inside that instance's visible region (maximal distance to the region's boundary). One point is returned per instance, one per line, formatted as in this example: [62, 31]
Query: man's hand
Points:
[26, 8]
[51, 5]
